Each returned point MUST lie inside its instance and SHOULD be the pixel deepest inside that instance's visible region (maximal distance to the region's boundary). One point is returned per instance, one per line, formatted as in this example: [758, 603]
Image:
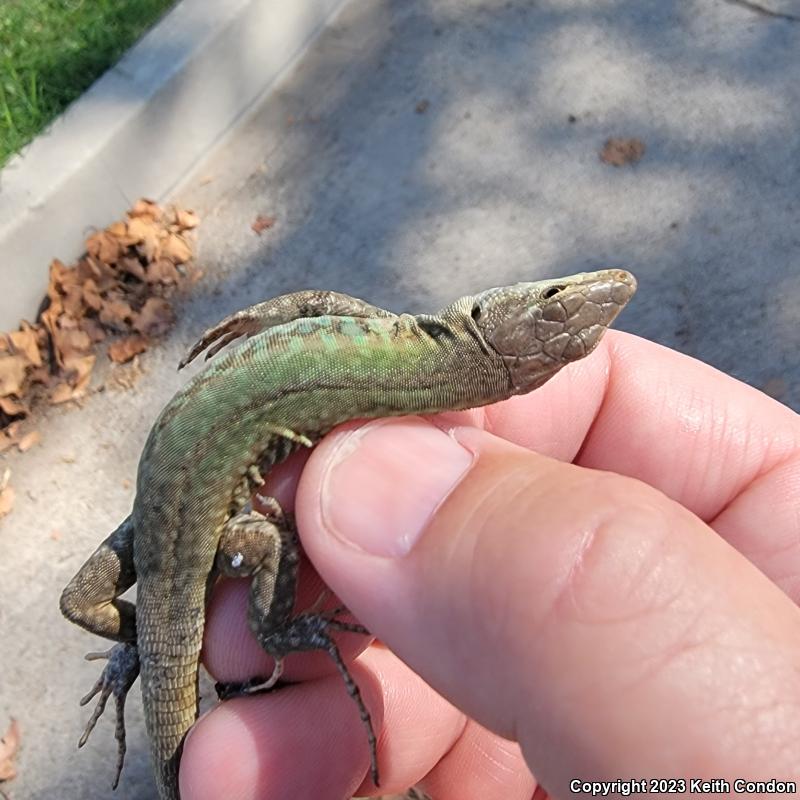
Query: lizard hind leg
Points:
[266, 547]
[91, 600]
[263, 546]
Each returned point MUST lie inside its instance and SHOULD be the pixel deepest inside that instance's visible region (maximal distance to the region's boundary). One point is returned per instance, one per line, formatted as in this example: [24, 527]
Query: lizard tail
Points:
[169, 652]
[167, 777]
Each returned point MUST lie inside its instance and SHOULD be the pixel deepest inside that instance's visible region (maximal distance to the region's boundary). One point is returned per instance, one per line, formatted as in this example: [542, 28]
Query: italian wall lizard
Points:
[312, 360]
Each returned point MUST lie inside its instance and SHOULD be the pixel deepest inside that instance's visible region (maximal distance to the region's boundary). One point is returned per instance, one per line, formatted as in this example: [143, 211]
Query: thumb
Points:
[579, 612]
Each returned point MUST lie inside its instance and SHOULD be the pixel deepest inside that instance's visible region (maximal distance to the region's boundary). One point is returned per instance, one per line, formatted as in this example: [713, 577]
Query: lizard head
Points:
[537, 328]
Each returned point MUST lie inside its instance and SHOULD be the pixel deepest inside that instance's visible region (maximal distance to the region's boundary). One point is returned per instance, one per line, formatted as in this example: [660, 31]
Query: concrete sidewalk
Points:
[419, 151]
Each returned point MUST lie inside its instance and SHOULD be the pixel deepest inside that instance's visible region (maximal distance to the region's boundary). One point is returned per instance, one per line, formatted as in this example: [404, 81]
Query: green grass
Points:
[51, 50]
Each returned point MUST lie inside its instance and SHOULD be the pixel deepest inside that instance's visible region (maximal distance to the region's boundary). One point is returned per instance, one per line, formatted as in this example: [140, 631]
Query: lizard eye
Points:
[476, 312]
[552, 291]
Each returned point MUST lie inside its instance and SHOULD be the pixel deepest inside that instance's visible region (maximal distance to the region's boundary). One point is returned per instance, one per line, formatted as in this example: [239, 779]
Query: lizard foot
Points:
[310, 631]
[259, 685]
[227, 331]
[117, 678]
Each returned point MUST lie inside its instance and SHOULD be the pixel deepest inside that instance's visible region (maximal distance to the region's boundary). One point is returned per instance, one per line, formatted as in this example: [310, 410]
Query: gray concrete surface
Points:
[140, 129]
[493, 183]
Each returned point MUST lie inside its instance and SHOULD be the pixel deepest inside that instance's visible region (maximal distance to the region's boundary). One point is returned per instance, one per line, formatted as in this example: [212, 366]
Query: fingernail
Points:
[385, 480]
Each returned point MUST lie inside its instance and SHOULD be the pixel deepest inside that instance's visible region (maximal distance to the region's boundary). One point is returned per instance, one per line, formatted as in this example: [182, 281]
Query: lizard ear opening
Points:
[552, 291]
[476, 312]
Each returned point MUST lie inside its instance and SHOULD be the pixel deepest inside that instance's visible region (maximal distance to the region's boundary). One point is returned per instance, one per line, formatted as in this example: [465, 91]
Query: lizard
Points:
[308, 361]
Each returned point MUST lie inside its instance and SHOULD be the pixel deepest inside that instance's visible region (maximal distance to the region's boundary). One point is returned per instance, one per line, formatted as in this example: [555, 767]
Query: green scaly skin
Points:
[311, 361]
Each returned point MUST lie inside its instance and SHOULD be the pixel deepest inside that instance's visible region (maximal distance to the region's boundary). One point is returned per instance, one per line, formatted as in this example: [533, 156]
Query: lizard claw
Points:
[117, 678]
[223, 333]
[225, 691]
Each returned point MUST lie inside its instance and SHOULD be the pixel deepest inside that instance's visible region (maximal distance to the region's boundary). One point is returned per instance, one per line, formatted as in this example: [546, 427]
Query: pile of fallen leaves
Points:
[119, 288]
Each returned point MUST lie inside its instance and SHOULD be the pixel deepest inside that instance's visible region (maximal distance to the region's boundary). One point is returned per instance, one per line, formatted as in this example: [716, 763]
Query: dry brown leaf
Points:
[24, 342]
[85, 270]
[118, 229]
[103, 275]
[66, 322]
[73, 301]
[12, 407]
[146, 233]
[9, 745]
[93, 329]
[49, 317]
[61, 393]
[40, 375]
[70, 341]
[12, 374]
[146, 208]
[176, 249]
[29, 440]
[125, 349]
[150, 247]
[79, 371]
[6, 501]
[262, 223]
[162, 271]
[186, 220]
[6, 504]
[116, 314]
[104, 246]
[140, 228]
[61, 275]
[619, 152]
[155, 318]
[11, 437]
[91, 295]
[132, 266]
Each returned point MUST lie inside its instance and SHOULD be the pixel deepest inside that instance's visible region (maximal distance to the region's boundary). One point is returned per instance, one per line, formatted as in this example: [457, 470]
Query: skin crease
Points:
[610, 625]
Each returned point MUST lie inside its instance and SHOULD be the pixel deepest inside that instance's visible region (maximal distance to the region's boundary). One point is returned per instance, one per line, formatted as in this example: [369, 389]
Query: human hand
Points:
[581, 624]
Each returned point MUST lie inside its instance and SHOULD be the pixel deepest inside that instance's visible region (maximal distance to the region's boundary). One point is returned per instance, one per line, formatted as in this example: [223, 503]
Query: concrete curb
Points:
[140, 129]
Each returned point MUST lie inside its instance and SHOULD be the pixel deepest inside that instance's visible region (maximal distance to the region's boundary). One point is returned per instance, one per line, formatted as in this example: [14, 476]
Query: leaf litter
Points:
[117, 294]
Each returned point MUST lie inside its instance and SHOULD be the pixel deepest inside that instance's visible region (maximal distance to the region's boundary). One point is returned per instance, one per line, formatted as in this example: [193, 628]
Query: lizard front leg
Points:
[266, 548]
[92, 600]
[277, 311]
